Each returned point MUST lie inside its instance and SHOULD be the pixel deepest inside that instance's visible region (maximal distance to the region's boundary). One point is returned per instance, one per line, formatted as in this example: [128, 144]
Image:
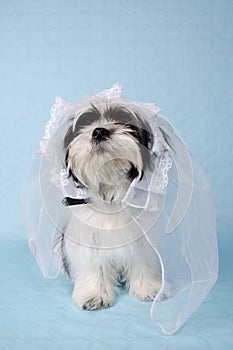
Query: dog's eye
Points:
[86, 119]
[119, 115]
[122, 118]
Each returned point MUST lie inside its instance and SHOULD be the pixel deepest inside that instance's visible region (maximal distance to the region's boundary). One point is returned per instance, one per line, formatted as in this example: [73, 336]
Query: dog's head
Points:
[107, 146]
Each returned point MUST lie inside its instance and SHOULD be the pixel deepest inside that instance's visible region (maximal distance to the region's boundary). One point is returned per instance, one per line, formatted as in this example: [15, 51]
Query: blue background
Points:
[177, 53]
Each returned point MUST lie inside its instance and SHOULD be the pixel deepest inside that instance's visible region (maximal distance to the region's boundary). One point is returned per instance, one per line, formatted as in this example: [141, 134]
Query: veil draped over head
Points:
[174, 198]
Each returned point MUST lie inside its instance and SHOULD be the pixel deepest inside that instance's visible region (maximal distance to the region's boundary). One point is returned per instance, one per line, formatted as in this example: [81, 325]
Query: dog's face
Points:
[107, 147]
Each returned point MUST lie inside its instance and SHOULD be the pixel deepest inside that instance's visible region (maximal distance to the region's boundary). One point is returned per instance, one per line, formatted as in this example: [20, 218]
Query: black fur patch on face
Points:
[133, 172]
[84, 119]
[137, 127]
[76, 181]
[120, 115]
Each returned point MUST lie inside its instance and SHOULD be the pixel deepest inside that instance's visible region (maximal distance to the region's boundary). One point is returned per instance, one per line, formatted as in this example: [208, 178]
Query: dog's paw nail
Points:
[95, 303]
[90, 304]
[164, 294]
[159, 295]
[147, 297]
[146, 290]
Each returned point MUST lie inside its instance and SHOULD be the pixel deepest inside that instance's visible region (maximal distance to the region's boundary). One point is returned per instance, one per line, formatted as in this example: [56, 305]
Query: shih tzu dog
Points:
[108, 145]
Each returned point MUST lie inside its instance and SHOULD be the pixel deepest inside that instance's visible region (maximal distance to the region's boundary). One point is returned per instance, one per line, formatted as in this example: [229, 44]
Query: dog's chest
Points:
[98, 228]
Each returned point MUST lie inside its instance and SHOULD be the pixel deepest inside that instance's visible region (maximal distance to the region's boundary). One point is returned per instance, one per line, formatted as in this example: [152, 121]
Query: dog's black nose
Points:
[100, 134]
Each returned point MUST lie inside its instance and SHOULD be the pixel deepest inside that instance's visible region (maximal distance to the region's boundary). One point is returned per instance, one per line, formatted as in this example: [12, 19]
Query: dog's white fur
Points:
[102, 245]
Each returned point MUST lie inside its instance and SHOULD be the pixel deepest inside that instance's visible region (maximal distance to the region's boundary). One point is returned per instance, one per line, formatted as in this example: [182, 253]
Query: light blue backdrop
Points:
[177, 53]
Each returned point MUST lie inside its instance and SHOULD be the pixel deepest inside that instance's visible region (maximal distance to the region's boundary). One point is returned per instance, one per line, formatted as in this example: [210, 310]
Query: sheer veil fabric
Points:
[172, 206]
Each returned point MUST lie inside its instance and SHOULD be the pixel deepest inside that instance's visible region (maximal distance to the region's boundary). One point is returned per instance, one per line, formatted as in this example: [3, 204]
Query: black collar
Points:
[68, 201]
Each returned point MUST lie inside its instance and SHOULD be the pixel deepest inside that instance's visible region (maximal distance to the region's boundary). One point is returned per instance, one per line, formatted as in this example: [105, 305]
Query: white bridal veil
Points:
[174, 198]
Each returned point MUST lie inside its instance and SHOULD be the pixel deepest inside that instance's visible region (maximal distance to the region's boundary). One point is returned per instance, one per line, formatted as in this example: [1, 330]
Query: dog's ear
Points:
[67, 140]
[69, 136]
[70, 172]
[146, 136]
[146, 139]
[67, 163]
[66, 158]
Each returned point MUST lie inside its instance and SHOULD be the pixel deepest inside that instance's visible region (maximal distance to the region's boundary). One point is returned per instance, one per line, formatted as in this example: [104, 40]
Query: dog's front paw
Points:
[90, 301]
[165, 293]
[145, 289]
[96, 303]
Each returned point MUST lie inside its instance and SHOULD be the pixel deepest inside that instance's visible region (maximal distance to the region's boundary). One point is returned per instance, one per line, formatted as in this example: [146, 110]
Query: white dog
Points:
[108, 146]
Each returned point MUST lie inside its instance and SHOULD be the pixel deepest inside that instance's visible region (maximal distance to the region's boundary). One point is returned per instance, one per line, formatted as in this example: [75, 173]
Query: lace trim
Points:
[55, 177]
[113, 93]
[164, 167]
[51, 124]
